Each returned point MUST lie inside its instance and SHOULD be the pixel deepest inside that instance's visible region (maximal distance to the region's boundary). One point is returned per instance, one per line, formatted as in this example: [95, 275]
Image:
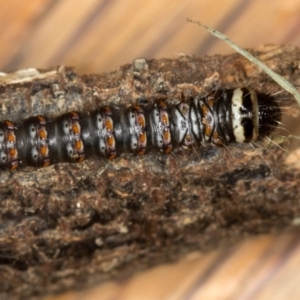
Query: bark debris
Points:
[71, 226]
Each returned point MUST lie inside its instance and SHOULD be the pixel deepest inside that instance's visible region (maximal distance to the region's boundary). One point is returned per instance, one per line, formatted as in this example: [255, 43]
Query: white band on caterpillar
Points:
[244, 112]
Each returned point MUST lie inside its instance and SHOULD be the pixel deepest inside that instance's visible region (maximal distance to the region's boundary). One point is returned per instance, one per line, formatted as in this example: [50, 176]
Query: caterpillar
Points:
[221, 117]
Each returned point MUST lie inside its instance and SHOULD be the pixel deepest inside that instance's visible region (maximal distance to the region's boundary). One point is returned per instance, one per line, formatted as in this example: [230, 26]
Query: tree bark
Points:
[72, 226]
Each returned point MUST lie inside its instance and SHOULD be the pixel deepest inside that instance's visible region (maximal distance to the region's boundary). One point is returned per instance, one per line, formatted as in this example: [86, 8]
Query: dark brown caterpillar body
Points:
[225, 116]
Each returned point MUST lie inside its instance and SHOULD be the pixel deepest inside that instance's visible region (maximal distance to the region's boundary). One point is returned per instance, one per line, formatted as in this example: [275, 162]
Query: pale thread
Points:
[285, 84]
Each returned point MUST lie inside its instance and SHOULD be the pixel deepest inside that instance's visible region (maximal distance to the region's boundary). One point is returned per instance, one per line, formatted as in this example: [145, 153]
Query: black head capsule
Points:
[253, 115]
[269, 114]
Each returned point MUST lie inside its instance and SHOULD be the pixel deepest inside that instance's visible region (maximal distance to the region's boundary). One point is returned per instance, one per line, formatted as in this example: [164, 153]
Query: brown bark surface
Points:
[72, 226]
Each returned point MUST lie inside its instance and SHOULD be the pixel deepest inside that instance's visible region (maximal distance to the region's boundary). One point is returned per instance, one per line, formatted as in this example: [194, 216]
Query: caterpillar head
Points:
[253, 115]
[269, 114]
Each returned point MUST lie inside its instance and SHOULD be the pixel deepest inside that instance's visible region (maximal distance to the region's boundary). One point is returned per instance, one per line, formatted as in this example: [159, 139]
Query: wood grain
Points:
[99, 36]
[265, 267]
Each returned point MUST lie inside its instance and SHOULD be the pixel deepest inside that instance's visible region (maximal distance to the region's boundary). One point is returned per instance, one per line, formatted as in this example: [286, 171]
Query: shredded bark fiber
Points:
[72, 226]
